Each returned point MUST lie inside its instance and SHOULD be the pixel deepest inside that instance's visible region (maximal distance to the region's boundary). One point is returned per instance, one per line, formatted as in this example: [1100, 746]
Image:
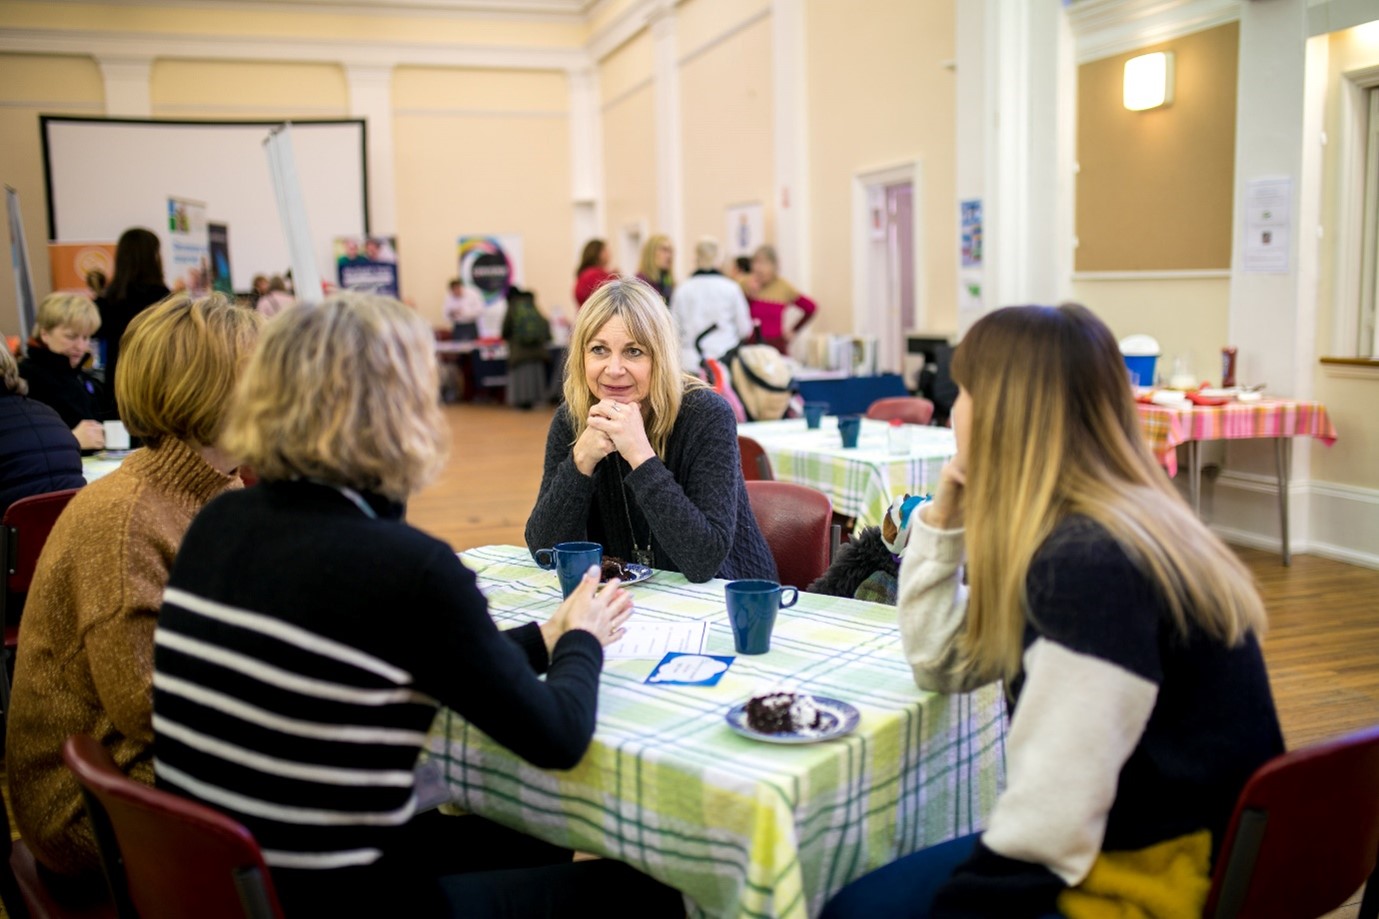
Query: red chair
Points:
[798, 525]
[166, 855]
[756, 466]
[909, 409]
[24, 892]
[1304, 835]
[23, 531]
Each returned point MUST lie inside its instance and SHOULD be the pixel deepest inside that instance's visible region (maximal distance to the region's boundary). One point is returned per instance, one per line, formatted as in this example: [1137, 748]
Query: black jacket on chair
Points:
[72, 392]
[38, 453]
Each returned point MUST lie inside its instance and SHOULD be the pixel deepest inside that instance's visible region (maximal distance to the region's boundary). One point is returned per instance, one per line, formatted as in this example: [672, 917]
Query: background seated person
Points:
[37, 452]
[54, 367]
[642, 457]
[297, 700]
[1125, 632]
[85, 665]
[769, 295]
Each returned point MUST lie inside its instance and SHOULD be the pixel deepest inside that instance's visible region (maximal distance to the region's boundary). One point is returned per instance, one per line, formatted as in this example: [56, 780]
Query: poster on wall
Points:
[367, 263]
[81, 268]
[218, 238]
[746, 229]
[19, 258]
[1268, 225]
[189, 266]
[491, 264]
[971, 236]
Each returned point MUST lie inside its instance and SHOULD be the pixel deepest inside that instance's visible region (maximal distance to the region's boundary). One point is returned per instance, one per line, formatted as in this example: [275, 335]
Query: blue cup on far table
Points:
[752, 608]
[570, 561]
[849, 426]
[814, 412]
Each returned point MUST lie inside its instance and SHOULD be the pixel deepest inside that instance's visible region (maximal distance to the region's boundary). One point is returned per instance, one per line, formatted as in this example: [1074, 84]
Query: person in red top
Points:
[592, 271]
[768, 295]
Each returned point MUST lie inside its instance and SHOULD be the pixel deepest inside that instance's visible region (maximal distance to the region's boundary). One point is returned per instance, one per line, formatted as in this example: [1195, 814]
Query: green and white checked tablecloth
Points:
[743, 828]
[861, 481]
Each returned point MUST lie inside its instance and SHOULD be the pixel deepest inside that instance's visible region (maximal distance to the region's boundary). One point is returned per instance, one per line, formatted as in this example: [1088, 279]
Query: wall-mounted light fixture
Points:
[1149, 81]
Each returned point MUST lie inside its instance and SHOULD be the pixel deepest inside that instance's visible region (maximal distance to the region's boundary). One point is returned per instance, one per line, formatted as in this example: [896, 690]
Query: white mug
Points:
[116, 435]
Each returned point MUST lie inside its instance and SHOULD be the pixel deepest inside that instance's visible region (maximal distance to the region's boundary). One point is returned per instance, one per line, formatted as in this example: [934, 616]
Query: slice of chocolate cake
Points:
[614, 567]
[782, 712]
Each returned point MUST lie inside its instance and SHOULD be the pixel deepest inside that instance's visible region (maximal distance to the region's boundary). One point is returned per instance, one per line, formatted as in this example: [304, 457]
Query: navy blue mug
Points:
[752, 608]
[570, 561]
[814, 412]
[849, 426]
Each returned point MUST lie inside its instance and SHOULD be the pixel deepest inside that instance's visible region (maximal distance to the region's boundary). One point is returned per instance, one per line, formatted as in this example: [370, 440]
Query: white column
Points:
[127, 92]
[670, 175]
[586, 155]
[371, 98]
[791, 142]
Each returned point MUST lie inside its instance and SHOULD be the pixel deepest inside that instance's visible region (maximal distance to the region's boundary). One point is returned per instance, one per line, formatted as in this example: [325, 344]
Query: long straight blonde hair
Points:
[1054, 433]
[648, 322]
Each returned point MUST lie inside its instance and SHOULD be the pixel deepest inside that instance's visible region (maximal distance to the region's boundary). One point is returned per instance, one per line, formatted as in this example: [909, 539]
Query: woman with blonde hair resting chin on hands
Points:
[308, 636]
[643, 458]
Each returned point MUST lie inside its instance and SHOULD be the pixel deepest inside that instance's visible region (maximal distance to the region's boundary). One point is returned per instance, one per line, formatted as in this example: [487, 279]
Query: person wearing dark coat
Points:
[136, 285]
[55, 367]
[38, 454]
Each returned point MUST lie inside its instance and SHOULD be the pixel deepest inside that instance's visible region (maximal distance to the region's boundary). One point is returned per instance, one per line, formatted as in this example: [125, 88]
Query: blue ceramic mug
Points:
[570, 561]
[849, 426]
[752, 608]
[814, 413]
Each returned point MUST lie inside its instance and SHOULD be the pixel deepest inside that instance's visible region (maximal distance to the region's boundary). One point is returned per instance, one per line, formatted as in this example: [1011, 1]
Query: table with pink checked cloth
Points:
[1279, 420]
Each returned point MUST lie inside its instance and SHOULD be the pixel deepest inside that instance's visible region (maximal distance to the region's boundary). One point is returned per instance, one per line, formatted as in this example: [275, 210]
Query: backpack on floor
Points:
[762, 378]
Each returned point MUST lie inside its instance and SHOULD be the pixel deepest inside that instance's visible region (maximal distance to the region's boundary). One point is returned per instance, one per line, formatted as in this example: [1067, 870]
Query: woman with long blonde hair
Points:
[642, 457]
[1126, 634]
[657, 266]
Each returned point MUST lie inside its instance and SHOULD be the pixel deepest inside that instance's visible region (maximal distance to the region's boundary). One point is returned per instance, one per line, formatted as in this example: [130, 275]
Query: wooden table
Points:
[742, 827]
[1279, 420]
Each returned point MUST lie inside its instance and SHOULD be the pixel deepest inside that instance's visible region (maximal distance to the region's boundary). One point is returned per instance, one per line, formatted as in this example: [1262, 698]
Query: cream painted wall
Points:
[726, 110]
[700, 21]
[1350, 401]
[31, 85]
[879, 95]
[626, 69]
[1187, 317]
[481, 152]
[629, 171]
[245, 89]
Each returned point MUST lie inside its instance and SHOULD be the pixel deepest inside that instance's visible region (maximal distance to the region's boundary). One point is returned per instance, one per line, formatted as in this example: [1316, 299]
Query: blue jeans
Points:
[904, 888]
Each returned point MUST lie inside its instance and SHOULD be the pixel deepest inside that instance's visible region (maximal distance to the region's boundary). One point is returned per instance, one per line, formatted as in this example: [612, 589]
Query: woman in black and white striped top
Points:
[308, 634]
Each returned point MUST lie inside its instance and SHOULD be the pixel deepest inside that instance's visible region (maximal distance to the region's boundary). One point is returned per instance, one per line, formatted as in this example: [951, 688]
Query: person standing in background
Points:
[711, 315]
[276, 300]
[528, 335]
[657, 265]
[137, 285]
[593, 270]
[463, 307]
[770, 294]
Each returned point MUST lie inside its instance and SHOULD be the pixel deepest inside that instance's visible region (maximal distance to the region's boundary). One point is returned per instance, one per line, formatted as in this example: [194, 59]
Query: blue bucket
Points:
[1141, 367]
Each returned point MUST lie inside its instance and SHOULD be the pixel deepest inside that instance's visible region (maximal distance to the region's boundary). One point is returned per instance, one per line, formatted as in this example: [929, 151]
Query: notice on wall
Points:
[745, 229]
[188, 244]
[1268, 225]
[971, 234]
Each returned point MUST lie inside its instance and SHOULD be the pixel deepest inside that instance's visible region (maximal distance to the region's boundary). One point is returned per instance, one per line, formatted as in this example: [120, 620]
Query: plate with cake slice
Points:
[628, 572]
[783, 717]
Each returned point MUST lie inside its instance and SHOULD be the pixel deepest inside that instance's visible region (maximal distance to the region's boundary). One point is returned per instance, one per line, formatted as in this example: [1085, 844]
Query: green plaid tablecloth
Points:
[862, 481]
[743, 828]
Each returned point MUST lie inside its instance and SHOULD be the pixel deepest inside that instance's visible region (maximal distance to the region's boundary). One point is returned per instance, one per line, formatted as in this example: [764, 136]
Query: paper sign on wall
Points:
[1268, 225]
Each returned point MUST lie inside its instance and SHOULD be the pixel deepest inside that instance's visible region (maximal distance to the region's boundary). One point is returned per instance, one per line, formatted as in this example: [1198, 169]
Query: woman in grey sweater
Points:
[643, 458]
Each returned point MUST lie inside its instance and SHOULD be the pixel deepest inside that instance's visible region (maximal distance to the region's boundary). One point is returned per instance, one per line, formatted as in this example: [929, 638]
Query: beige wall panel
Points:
[628, 67]
[629, 171]
[701, 21]
[608, 12]
[245, 89]
[31, 85]
[480, 90]
[878, 95]
[1155, 189]
[727, 111]
[1188, 317]
[1351, 460]
[482, 174]
[256, 20]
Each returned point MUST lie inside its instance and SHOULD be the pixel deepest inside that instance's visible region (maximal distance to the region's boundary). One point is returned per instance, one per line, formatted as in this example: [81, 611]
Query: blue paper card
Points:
[680, 669]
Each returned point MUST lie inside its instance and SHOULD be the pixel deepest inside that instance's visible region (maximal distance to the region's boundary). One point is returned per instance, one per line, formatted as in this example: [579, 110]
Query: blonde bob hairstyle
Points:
[9, 374]
[73, 311]
[179, 362]
[648, 323]
[1054, 433]
[345, 391]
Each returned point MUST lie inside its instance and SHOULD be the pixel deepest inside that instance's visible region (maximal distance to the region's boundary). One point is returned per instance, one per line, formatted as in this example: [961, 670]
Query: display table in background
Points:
[742, 828]
[847, 395]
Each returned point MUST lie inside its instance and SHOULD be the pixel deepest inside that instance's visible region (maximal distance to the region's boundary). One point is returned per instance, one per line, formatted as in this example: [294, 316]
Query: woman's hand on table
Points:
[945, 512]
[622, 424]
[601, 611]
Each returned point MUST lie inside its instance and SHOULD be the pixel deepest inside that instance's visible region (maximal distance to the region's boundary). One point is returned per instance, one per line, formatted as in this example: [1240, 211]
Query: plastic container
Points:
[898, 438]
[1141, 353]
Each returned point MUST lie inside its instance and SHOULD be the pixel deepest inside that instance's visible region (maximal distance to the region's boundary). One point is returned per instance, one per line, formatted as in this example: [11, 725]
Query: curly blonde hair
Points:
[345, 391]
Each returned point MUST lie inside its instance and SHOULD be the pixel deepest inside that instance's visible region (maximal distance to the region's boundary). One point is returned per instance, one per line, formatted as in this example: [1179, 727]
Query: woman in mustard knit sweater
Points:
[85, 664]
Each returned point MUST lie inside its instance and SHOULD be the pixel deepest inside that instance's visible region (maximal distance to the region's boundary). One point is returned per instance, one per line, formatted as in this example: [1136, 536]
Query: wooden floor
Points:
[1322, 647]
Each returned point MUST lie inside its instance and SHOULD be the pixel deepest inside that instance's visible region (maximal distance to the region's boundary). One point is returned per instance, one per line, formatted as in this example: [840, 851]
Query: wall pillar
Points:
[371, 98]
[127, 93]
[791, 142]
[670, 174]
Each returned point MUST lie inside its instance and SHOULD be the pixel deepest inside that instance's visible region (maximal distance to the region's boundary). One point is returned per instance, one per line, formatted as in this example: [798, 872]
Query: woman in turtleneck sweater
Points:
[86, 663]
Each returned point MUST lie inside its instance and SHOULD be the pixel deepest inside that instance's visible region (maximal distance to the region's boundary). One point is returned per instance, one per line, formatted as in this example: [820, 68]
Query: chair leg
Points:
[1369, 904]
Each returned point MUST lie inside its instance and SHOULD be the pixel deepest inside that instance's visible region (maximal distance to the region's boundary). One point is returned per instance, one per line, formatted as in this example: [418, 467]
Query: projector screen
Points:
[105, 175]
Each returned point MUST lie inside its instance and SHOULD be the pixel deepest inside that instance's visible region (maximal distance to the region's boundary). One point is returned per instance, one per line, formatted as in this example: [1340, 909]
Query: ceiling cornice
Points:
[1103, 28]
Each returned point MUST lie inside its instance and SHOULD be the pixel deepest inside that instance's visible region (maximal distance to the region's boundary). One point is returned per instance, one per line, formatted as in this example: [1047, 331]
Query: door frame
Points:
[869, 315]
